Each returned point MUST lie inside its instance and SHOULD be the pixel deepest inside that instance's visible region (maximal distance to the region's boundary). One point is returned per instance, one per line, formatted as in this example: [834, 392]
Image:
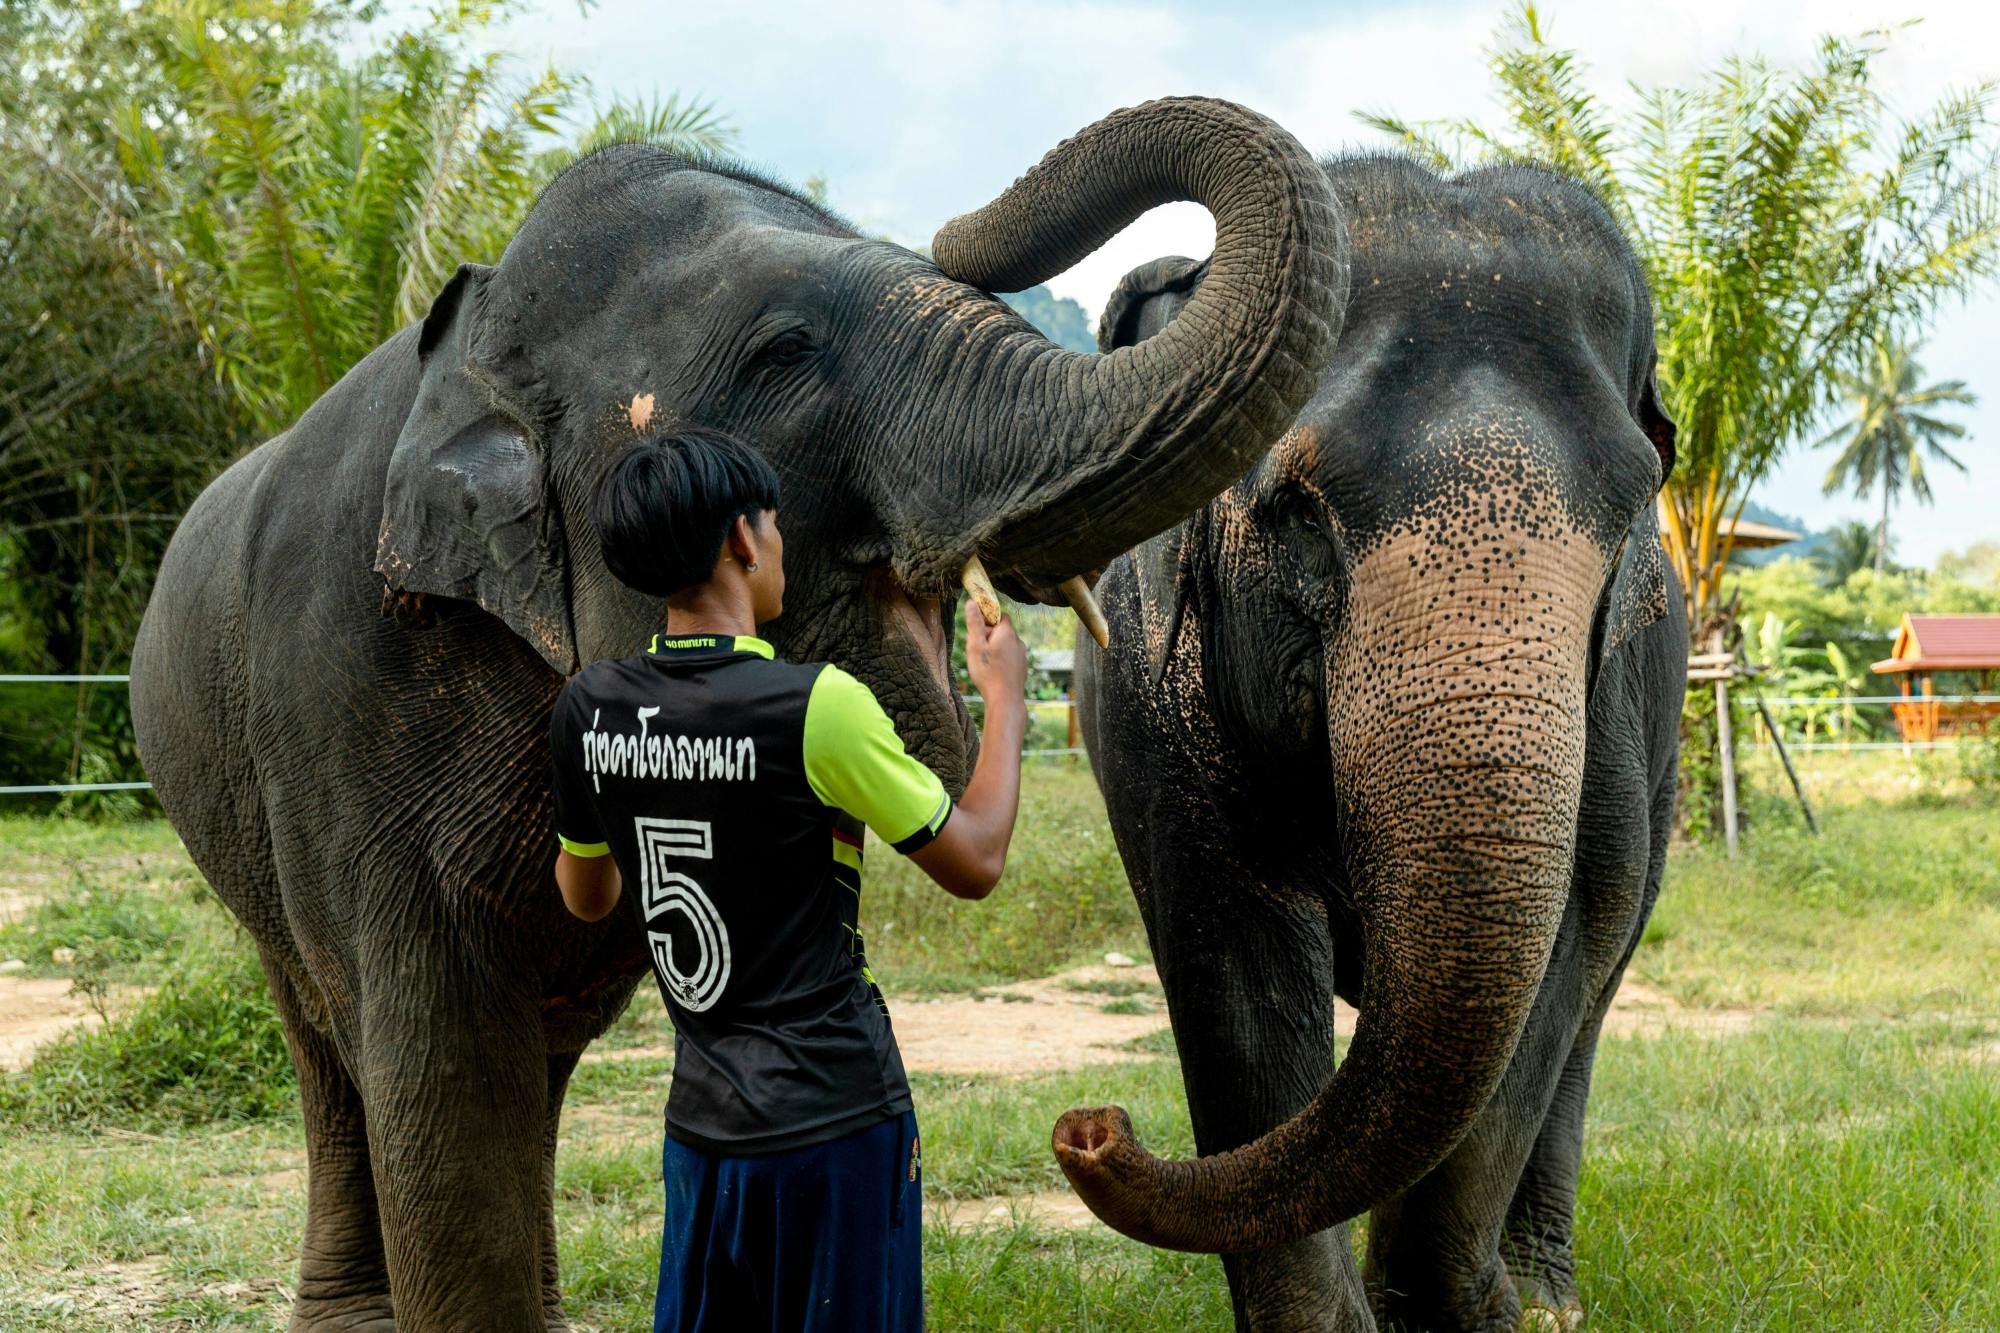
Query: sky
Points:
[917, 110]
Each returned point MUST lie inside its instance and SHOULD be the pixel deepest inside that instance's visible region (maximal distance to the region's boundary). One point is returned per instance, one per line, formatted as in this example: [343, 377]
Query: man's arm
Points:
[590, 884]
[585, 871]
[970, 851]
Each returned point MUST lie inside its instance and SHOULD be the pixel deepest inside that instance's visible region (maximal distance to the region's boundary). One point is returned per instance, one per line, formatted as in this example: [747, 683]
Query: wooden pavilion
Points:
[1927, 645]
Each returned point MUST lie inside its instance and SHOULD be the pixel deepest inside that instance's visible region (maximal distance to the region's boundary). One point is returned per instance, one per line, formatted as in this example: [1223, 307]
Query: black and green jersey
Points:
[732, 789]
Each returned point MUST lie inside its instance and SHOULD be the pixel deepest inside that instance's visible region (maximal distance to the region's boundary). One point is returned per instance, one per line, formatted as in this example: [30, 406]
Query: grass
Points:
[1837, 1165]
[1064, 901]
[1893, 911]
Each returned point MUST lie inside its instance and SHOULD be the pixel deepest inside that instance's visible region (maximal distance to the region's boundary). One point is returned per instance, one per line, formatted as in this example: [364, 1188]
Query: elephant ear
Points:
[1146, 300]
[1653, 419]
[1639, 587]
[465, 507]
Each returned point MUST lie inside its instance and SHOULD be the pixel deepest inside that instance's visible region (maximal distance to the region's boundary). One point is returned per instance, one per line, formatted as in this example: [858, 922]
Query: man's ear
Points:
[742, 540]
[1147, 299]
[1653, 419]
[466, 508]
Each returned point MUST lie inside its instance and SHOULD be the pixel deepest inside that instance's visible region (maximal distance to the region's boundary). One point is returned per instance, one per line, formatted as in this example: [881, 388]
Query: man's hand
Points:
[970, 852]
[994, 657]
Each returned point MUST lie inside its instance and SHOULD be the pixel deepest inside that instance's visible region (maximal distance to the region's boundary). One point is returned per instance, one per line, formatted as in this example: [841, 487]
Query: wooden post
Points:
[1798, 788]
[1726, 749]
[1072, 724]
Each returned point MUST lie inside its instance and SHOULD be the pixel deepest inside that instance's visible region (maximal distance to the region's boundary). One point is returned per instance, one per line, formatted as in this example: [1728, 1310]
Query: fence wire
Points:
[1071, 751]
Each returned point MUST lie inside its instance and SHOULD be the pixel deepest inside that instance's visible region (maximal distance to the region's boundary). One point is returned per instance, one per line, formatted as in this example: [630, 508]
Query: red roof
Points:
[1945, 643]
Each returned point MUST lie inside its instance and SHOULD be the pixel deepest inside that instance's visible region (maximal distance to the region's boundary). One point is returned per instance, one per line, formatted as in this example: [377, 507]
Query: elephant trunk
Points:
[1455, 715]
[1101, 452]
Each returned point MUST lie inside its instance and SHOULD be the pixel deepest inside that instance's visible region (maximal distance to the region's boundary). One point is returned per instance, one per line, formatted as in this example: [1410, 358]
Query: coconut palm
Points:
[1884, 445]
[1844, 548]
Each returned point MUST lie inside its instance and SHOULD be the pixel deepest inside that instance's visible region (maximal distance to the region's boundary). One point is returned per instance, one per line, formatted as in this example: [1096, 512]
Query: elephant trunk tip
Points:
[1116, 1177]
[1085, 1136]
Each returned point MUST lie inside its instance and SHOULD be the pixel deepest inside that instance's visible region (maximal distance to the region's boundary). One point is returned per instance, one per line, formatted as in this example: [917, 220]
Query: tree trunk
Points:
[1882, 535]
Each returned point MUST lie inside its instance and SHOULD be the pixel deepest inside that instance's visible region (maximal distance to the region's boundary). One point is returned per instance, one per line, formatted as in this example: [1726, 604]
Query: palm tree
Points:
[1846, 547]
[1891, 432]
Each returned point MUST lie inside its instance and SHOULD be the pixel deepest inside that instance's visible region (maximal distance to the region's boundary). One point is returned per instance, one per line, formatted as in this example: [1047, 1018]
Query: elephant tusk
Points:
[980, 588]
[1078, 594]
[1075, 591]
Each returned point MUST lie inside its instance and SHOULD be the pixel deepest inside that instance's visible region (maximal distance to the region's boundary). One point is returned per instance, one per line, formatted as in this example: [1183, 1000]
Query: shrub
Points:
[208, 1045]
[1980, 761]
[132, 933]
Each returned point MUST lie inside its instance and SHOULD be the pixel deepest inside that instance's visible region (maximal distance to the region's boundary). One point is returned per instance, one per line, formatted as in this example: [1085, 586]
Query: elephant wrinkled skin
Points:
[343, 681]
[1395, 718]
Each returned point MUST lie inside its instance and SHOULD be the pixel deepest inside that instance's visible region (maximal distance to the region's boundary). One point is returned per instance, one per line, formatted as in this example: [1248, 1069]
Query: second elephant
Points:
[1395, 719]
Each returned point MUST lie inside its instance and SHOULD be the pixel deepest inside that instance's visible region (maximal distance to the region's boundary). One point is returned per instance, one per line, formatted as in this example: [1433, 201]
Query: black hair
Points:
[666, 505]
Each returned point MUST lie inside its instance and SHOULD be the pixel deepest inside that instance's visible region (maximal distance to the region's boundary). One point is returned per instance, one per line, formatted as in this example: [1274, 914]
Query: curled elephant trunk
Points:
[1101, 452]
[1460, 764]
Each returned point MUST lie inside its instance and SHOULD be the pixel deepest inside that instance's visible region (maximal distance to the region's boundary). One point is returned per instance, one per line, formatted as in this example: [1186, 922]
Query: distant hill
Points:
[1059, 317]
[1802, 548]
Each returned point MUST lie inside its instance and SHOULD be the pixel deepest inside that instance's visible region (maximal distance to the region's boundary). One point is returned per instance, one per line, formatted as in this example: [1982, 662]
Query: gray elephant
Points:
[343, 682]
[1395, 719]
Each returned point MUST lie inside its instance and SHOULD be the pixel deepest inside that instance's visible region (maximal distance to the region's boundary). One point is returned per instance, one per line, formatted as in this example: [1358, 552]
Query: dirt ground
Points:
[34, 1010]
[1035, 1027]
[1030, 1027]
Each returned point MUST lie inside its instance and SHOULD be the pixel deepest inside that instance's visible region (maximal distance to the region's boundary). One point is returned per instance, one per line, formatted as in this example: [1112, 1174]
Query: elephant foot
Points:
[1549, 1301]
[1448, 1300]
[1538, 1318]
[347, 1314]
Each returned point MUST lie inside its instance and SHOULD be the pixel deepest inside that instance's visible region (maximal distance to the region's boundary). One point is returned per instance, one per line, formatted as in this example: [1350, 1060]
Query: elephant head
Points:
[1408, 603]
[915, 421]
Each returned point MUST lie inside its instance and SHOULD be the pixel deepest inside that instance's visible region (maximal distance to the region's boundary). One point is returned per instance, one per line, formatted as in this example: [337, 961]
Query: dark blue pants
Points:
[826, 1239]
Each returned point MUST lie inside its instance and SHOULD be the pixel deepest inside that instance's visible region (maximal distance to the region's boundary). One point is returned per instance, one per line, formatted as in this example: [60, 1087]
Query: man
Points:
[729, 791]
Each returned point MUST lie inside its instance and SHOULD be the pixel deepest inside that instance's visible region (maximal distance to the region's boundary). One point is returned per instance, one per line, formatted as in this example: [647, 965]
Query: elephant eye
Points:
[1314, 545]
[790, 348]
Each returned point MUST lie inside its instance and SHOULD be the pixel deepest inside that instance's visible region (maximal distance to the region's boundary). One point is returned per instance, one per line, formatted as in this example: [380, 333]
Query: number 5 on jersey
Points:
[664, 890]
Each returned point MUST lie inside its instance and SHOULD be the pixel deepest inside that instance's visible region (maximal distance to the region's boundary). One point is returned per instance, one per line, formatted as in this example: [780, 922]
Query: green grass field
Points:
[1831, 1162]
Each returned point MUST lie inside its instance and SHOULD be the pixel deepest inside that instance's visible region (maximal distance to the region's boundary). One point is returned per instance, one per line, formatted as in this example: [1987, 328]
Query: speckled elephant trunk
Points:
[1460, 765]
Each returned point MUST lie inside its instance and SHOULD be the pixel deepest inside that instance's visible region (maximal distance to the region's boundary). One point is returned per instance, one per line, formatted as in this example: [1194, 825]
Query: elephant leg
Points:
[1434, 1261]
[343, 1278]
[456, 1079]
[561, 1066]
[1538, 1238]
[1249, 981]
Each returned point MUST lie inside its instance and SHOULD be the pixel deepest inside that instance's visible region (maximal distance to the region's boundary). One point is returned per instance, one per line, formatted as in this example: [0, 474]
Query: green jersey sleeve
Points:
[855, 762]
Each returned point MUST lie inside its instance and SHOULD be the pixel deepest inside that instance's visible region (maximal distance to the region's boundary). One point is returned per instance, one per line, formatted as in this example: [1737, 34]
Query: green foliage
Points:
[1795, 671]
[206, 1046]
[209, 211]
[1977, 564]
[1980, 761]
[1851, 546]
[1058, 317]
[1865, 606]
[129, 929]
[1784, 224]
[1064, 901]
